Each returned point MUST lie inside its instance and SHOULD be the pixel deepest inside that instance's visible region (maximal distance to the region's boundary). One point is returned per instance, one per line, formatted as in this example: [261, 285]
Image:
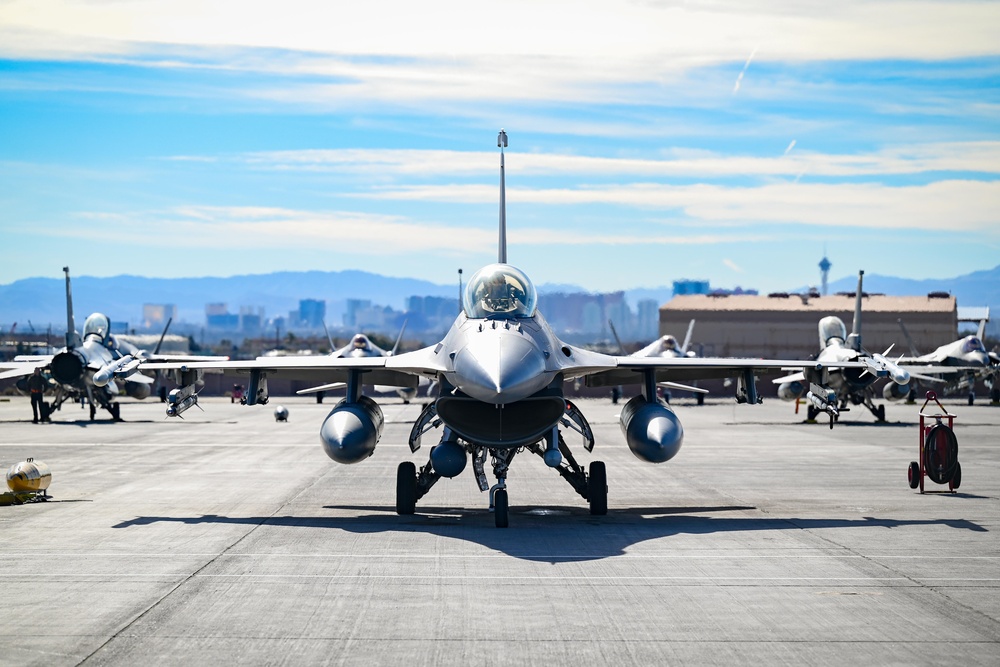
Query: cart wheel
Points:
[913, 474]
[956, 479]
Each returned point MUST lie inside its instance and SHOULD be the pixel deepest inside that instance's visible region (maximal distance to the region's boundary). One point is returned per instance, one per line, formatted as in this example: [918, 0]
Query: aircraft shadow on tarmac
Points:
[557, 534]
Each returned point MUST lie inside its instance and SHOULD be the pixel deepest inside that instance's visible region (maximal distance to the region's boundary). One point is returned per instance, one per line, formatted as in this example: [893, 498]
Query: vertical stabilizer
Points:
[72, 339]
[501, 144]
[854, 340]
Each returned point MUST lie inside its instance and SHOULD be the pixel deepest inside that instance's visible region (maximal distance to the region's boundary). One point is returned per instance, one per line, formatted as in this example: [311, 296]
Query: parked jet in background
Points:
[88, 365]
[666, 347]
[845, 384]
[361, 346]
[958, 364]
[500, 371]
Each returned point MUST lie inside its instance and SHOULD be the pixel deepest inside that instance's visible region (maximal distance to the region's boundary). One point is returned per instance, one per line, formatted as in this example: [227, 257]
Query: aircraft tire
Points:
[701, 399]
[880, 413]
[597, 488]
[501, 508]
[913, 474]
[93, 412]
[956, 479]
[972, 398]
[406, 488]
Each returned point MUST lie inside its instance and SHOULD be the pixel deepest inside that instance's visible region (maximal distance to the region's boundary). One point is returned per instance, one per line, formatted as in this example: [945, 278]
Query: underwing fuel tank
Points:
[652, 430]
[351, 430]
[789, 391]
[29, 477]
[895, 392]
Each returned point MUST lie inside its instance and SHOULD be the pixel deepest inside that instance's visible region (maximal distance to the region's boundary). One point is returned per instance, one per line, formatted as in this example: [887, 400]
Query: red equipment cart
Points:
[937, 449]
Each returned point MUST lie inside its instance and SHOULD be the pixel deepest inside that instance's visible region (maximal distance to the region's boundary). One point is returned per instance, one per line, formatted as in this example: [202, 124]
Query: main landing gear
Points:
[591, 484]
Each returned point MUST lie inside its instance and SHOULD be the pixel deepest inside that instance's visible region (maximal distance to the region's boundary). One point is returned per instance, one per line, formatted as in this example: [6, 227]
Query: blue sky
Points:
[649, 141]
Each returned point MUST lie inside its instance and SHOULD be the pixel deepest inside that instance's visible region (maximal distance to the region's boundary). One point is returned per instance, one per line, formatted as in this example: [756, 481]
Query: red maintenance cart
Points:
[938, 449]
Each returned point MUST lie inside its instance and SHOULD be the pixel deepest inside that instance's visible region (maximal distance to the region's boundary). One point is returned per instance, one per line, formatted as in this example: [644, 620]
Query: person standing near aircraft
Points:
[37, 386]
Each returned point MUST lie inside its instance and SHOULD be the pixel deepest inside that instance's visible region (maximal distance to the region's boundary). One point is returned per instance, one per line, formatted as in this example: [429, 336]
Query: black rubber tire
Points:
[597, 488]
[972, 398]
[701, 399]
[406, 488]
[501, 509]
[940, 453]
[93, 412]
[913, 474]
[880, 413]
[811, 413]
[956, 479]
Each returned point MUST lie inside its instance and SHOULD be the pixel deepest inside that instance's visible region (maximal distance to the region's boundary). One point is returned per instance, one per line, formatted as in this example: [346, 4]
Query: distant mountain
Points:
[42, 301]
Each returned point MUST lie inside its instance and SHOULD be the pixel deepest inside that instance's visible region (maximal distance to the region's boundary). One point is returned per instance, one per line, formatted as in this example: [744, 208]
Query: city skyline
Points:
[735, 142]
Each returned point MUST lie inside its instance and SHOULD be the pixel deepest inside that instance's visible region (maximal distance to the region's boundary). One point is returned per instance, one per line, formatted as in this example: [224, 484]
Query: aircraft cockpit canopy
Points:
[973, 344]
[499, 290]
[96, 325]
[669, 342]
[831, 327]
[360, 342]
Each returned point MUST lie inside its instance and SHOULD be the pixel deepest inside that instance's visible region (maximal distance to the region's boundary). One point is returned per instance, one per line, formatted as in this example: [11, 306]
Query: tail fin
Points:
[617, 339]
[854, 340]
[501, 144]
[72, 339]
[980, 333]
[163, 335]
[909, 340]
[687, 338]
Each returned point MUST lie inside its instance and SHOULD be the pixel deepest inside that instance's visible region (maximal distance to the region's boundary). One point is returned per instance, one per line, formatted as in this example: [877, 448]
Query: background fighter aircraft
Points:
[500, 371]
[87, 366]
[667, 347]
[958, 364]
[844, 385]
[362, 346]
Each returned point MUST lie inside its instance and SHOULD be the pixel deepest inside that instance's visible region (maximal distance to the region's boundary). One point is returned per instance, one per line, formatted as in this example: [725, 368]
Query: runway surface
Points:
[231, 538]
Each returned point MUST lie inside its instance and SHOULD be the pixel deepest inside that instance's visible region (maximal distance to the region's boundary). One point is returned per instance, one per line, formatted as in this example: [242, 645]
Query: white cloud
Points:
[969, 206]
[733, 265]
[974, 156]
[450, 49]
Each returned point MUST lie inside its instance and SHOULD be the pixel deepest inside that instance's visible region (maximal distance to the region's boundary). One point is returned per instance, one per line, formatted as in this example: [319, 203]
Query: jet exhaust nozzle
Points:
[351, 430]
[448, 458]
[67, 367]
[652, 430]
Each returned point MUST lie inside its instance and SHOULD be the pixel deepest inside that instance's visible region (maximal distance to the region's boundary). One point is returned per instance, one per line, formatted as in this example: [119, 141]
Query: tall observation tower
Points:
[824, 267]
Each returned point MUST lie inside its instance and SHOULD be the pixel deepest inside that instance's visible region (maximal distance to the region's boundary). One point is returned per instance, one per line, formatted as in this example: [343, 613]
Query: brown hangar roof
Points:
[819, 305]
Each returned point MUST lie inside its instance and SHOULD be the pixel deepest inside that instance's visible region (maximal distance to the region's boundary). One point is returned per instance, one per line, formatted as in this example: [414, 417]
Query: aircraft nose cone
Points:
[500, 367]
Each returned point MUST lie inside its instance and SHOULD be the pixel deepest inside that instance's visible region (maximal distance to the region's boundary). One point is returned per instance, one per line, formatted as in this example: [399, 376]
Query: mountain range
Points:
[41, 300]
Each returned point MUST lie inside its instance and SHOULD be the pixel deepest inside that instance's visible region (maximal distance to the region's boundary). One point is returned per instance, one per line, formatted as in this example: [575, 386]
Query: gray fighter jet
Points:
[88, 365]
[957, 365]
[843, 384]
[500, 372]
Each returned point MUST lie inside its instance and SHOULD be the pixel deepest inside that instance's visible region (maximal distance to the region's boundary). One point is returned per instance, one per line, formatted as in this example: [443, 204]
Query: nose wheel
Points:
[501, 508]
[406, 488]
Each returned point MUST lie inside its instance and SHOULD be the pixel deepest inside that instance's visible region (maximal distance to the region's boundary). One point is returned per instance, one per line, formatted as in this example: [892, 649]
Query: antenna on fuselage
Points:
[502, 144]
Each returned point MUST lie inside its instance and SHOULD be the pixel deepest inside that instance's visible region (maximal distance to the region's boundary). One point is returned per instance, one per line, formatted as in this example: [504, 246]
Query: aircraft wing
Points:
[629, 370]
[318, 369]
[16, 369]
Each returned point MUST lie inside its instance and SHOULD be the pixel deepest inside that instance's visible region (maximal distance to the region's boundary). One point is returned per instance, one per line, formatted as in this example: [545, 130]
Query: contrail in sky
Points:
[739, 79]
[790, 147]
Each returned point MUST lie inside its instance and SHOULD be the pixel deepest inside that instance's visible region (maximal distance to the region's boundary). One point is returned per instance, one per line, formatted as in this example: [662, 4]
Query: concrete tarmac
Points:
[230, 538]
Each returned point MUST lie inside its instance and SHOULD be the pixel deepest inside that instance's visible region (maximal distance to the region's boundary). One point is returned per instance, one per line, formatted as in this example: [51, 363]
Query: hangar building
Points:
[785, 326]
